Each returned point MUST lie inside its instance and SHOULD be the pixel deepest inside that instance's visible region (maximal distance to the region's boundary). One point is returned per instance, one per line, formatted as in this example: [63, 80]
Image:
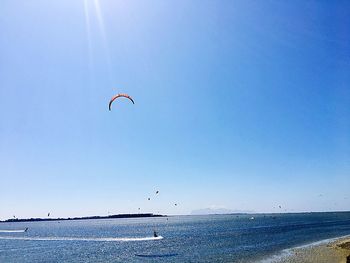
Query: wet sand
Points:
[332, 252]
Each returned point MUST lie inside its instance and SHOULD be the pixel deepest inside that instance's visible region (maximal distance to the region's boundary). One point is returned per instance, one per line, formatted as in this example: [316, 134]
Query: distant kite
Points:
[118, 96]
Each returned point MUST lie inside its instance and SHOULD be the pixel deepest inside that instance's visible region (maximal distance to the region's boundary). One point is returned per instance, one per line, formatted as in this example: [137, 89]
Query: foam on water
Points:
[94, 239]
[156, 255]
[285, 253]
[13, 231]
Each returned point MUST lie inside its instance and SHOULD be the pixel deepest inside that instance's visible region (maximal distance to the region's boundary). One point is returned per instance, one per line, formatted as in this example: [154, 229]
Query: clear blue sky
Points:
[238, 104]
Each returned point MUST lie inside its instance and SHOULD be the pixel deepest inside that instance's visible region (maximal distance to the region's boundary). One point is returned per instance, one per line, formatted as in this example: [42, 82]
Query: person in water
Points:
[25, 230]
[155, 234]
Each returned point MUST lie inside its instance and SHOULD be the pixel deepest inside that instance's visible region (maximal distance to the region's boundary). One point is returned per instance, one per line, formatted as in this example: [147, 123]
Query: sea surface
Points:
[212, 238]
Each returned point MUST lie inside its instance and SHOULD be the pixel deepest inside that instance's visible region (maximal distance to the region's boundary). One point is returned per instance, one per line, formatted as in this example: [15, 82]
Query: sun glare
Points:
[92, 9]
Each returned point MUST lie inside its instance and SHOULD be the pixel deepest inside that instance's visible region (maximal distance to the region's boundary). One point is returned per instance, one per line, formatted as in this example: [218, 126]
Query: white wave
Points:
[94, 239]
[288, 252]
[13, 231]
[321, 242]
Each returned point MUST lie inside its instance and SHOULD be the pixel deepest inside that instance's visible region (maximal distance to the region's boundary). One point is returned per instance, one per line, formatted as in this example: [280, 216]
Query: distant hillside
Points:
[216, 211]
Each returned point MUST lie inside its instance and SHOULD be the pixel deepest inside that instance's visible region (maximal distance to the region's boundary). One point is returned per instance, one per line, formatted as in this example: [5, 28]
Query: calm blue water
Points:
[216, 238]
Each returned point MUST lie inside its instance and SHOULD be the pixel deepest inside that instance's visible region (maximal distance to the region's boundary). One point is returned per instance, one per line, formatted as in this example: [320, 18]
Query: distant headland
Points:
[82, 218]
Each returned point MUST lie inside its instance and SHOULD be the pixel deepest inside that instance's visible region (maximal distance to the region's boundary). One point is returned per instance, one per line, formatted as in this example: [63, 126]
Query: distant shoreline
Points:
[155, 215]
[81, 218]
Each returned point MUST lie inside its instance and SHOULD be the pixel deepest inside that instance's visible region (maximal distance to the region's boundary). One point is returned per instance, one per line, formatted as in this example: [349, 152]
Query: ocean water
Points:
[214, 238]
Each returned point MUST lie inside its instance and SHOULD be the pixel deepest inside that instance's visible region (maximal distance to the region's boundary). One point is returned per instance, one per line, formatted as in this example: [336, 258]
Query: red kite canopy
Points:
[118, 96]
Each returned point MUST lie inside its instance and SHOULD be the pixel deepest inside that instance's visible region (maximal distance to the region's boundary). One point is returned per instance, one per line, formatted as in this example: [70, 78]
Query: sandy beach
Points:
[334, 251]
